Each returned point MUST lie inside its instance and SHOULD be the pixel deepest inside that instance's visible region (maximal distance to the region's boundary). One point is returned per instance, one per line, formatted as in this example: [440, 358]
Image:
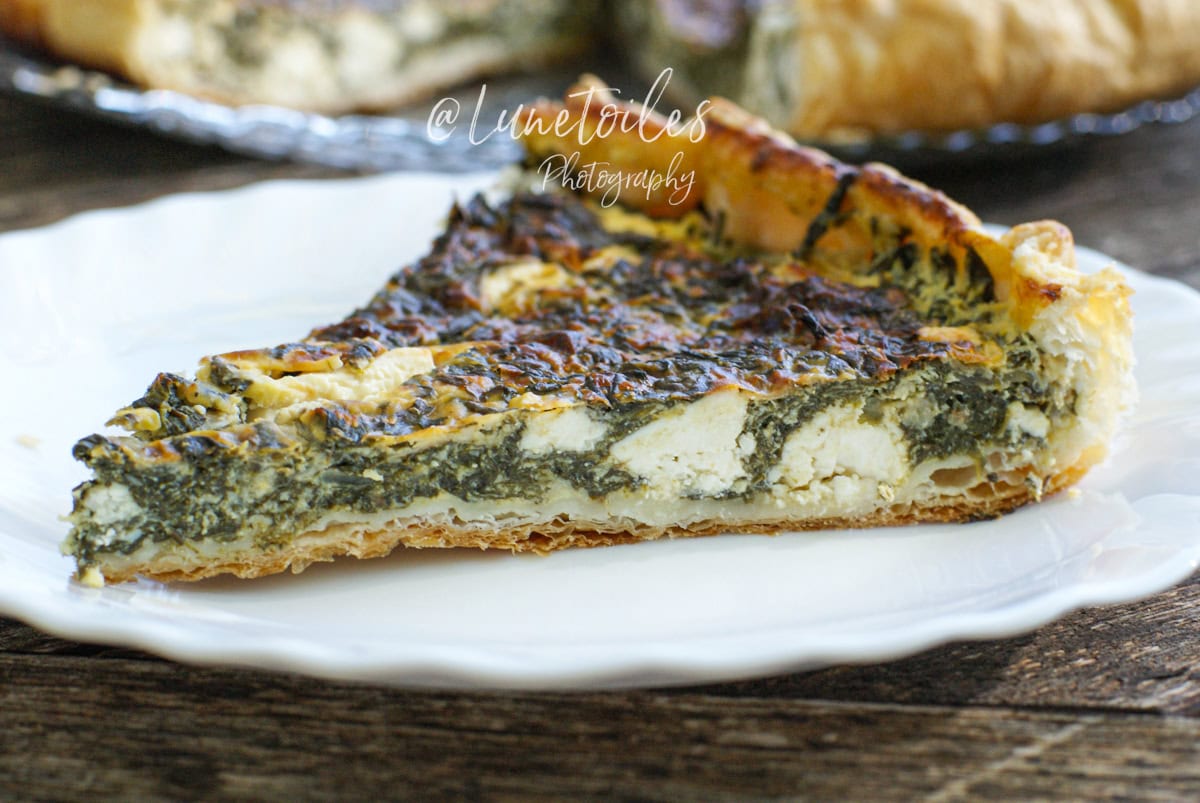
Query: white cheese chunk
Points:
[692, 449]
[836, 443]
[110, 504]
[1029, 420]
[570, 429]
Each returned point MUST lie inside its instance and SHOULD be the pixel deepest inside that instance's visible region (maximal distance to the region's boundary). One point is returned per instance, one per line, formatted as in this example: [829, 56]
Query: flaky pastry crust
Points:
[848, 69]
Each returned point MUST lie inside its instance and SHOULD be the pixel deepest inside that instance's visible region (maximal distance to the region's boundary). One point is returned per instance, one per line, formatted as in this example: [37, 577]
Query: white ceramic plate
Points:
[92, 307]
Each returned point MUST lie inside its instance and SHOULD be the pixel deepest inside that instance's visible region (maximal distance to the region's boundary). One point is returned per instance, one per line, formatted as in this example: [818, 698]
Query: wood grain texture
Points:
[174, 732]
[1104, 704]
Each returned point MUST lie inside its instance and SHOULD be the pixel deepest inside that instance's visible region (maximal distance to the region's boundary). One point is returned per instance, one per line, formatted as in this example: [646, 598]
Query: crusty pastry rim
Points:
[792, 184]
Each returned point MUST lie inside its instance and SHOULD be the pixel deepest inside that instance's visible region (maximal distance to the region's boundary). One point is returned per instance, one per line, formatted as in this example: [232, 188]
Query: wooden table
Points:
[1105, 703]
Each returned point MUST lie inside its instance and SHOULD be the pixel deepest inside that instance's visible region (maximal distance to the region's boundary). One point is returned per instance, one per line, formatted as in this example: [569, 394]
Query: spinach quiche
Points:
[783, 342]
[322, 55]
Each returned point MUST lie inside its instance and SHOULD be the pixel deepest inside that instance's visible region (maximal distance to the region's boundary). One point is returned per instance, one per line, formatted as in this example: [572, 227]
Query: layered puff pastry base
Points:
[784, 342]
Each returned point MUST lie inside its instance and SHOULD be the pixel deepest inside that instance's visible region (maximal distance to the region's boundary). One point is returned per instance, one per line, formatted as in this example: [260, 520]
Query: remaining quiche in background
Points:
[761, 340]
[321, 55]
[822, 70]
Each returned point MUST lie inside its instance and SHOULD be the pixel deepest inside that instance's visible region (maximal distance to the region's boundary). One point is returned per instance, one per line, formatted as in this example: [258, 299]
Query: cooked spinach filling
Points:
[221, 494]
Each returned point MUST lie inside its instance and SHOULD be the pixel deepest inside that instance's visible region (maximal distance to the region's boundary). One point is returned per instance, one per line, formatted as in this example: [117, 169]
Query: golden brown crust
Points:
[95, 33]
[768, 190]
[828, 69]
[22, 20]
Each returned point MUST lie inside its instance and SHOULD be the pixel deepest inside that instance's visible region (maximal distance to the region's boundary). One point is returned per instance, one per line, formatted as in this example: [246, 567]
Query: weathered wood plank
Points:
[73, 726]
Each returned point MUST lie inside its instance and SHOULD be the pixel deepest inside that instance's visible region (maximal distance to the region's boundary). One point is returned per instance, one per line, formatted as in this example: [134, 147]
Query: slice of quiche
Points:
[760, 340]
